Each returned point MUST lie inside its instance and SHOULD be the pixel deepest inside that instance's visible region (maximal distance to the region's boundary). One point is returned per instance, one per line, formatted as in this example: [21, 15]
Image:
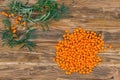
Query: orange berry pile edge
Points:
[78, 52]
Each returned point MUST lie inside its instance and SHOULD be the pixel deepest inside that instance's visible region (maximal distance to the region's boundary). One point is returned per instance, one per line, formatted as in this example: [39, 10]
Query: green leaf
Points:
[51, 11]
[29, 45]
[64, 10]
[29, 48]
[39, 18]
[6, 22]
[25, 10]
[22, 46]
[44, 19]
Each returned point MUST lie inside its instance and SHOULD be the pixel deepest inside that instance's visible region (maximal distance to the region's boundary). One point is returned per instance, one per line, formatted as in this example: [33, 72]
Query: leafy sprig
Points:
[20, 14]
[42, 11]
[23, 38]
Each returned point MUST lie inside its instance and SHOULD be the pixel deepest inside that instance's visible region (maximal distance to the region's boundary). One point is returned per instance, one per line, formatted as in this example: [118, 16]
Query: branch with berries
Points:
[43, 11]
[18, 31]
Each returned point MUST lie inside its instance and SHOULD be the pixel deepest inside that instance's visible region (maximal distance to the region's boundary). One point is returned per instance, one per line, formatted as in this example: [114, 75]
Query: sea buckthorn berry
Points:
[110, 46]
[17, 22]
[14, 31]
[78, 51]
[13, 27]
[68, 73]
[23, 23]
[12, 15]
[5, 14]
[66, 31]
[99, 35]
[19, 18]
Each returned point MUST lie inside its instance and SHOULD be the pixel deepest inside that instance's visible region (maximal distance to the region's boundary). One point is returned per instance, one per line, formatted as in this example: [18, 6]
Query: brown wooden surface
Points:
[102, 16]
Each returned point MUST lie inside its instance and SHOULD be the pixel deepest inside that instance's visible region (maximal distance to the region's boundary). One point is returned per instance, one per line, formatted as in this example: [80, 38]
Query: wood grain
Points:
[39, 71]
[102, 16]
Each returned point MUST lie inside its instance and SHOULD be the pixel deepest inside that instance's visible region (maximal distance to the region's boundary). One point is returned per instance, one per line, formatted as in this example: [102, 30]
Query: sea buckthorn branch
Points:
[78, 51]
[13, 34]
[18, 16]
[42, 11]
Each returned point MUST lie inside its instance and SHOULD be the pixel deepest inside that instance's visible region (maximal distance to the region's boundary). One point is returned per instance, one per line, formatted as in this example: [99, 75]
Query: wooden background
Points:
[97, 15]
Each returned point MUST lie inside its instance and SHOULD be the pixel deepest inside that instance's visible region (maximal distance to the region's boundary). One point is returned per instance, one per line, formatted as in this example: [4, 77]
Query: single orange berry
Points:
[68, 73]
[14, 31]
[99, 35]
[16, 21]
[53, 59]
[12, 15]
[23, 23]
[66, 31]
[19, 18]
[110, 46]
[13, 28]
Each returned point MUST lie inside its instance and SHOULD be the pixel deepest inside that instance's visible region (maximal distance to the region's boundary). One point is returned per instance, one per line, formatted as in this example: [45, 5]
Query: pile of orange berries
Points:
[78, 52]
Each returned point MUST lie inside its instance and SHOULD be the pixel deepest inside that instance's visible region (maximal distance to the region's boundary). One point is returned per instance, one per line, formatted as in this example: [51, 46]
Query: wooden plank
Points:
[5, 2]
[117, 74]
[80, 3]
[112, 36]
[92, 3]
[43, 57]
[25, 71]
[51, 37]
[19, 57]
[96, 15]
[46, 42]
[54, 35]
